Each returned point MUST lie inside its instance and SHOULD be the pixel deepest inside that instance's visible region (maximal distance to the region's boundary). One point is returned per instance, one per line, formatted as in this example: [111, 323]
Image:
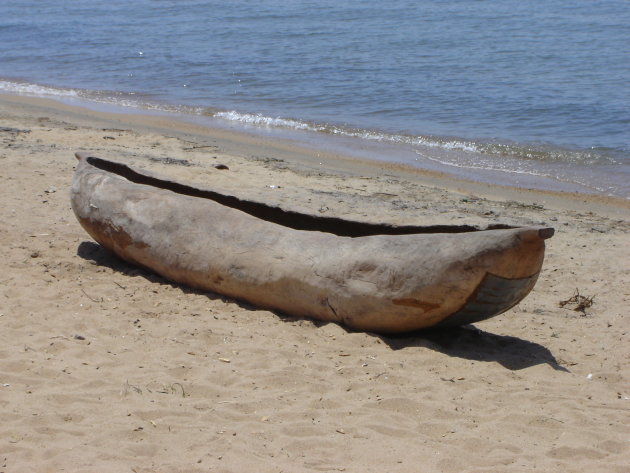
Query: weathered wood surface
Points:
[376, 282]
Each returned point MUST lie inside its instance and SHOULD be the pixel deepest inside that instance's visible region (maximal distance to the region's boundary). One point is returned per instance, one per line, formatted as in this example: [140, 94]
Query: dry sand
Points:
[108, 368]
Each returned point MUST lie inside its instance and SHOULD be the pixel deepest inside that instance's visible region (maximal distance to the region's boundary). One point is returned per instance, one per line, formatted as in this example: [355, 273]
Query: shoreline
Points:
[188, 381]
[241, 142]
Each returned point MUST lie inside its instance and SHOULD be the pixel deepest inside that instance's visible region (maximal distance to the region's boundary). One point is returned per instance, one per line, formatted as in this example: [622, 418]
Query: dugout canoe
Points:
[371, 277]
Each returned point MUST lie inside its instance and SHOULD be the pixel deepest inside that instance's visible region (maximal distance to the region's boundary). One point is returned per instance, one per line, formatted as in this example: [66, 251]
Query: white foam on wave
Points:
[261, 120]
[258, 119]
[431, 142]
[503, 150]
[446, 144]
[25, 88]
[107, 98]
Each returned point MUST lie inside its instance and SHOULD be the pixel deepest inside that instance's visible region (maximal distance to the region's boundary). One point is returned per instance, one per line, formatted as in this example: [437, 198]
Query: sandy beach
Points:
[106, 367]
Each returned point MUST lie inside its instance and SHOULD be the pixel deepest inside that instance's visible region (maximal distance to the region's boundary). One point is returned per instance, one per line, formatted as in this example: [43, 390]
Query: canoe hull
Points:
[379, 283]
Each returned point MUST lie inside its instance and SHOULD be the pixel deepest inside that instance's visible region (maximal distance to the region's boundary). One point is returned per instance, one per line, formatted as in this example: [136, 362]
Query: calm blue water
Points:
[525, 93]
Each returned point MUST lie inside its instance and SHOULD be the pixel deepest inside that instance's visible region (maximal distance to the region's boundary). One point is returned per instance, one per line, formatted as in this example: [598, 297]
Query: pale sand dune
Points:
[105, 367]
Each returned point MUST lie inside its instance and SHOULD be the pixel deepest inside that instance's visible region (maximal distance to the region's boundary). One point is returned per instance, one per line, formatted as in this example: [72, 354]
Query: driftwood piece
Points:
[368, 277]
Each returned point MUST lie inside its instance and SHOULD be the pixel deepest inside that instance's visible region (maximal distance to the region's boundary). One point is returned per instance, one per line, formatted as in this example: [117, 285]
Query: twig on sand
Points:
[91, 298]
[581, 302]
[126, 387]
[180, 385]
[170, 389]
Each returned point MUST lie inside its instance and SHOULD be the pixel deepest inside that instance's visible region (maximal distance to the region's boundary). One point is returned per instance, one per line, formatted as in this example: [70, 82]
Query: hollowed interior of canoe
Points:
[279, 216]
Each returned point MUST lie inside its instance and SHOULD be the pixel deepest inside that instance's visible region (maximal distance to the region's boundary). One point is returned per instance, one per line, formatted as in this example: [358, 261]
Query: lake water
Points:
[534, 94]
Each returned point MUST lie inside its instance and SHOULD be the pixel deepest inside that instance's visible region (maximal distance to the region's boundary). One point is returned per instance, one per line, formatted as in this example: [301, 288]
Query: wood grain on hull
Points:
[367, 276]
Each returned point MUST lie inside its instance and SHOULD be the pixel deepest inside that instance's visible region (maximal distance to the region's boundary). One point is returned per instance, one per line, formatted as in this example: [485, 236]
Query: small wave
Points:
[25, 88]
[549, 154]
[261, 120]
[116, 99]
[483, 167]
[340, 130]
[434, 142]
[536, 153]
[515, 174]
[121, 99]
[516, 153]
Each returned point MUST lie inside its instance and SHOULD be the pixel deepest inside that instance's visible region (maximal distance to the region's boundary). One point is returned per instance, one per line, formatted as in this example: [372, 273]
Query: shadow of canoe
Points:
[466, 342]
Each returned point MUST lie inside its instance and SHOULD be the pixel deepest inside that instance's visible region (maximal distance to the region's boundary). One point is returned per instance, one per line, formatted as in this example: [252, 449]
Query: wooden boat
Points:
[370, 277]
